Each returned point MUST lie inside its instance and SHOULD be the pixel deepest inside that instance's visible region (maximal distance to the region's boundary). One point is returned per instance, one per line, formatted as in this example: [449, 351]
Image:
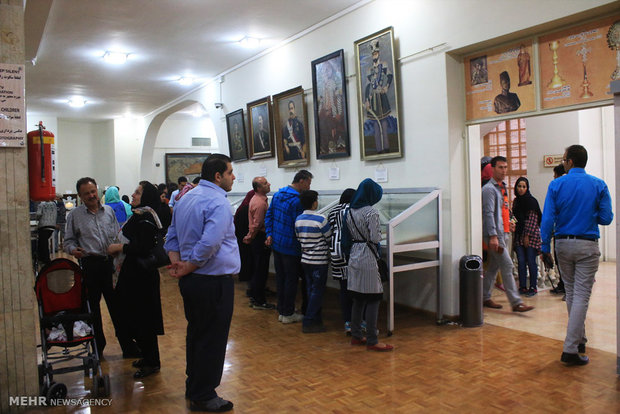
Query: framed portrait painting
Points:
[261, 129]
[378, 96]
[331, 120]
[187, 165]
[291, 128]
[237, 144]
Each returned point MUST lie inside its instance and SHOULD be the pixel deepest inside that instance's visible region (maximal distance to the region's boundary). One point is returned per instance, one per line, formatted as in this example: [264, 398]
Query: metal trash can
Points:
[470, 270]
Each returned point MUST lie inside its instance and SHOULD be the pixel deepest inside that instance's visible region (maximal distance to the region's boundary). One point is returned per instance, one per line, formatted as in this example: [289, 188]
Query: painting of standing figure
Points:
[378, 96]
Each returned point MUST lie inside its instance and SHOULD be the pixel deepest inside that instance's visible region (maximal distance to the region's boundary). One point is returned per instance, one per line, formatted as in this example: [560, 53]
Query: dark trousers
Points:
[149, 346]
[43, 249]
[346, 303]
[526, 260]
[288, 272]
[261, 255]
[208, 303]
[316, 277]
[98, 272]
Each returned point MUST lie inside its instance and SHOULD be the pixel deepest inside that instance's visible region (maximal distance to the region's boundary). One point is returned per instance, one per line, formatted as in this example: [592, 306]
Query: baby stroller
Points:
[63, 309]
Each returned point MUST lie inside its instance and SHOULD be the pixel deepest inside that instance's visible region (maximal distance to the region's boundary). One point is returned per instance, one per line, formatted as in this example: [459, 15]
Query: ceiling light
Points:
[76, 102]
[185, 80]
[115, 58]
[249, 42]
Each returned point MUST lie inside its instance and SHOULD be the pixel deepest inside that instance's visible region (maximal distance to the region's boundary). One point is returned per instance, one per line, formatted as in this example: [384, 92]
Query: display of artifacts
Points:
[237, 144]
[578, 64]
[261, 128]
[331, 115]
[184, 165]
[291, 128]
[500, 81]
[378, 96]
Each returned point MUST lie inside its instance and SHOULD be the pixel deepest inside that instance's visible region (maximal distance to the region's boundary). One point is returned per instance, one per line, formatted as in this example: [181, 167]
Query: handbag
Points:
[157, 257]
[382, 266]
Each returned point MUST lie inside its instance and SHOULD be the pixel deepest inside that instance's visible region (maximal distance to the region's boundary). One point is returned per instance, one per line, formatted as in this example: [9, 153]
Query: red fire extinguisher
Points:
[42, 164]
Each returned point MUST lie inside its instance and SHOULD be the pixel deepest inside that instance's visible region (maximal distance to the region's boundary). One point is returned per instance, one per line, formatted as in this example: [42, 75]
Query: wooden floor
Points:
[274, 368]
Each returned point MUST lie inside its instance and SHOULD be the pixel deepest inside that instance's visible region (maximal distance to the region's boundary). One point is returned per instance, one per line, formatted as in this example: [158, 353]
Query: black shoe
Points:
[138, 363]
[574, 359]
[316, 328]
[214, 405]
[260, 306]
[581, 348]
[145, 371]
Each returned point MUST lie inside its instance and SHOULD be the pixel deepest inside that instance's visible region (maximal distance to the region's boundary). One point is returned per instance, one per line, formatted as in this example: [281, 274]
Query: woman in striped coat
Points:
[338, 260]
[364, 283]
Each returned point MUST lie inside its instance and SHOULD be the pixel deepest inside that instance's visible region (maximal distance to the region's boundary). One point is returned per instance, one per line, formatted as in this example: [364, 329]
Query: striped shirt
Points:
[339, 263]
[314, 235]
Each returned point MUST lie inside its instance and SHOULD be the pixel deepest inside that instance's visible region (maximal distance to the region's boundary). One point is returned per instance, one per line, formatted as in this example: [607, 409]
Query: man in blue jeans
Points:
[280, 231]
[576, 204]
[314, 235]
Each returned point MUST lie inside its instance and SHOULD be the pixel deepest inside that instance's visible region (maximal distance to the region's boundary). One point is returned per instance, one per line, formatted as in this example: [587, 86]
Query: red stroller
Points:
[63, 308]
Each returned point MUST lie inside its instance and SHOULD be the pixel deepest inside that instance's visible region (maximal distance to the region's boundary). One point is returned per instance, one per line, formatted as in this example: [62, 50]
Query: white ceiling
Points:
[166, 39]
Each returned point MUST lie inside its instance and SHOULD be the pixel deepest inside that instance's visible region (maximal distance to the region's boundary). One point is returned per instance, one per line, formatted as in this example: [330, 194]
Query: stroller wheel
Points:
[56, 391]
[106, 385]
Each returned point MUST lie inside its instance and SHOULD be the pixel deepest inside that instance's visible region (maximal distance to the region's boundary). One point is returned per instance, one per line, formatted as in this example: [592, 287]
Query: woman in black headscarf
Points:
[137, 287]
[526, 237]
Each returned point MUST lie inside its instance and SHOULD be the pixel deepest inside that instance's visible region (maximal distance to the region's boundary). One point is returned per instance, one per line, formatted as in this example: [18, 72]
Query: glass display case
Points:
[411, 230]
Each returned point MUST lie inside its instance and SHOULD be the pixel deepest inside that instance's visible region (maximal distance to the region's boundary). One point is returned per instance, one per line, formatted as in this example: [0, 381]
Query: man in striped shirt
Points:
[314, 235]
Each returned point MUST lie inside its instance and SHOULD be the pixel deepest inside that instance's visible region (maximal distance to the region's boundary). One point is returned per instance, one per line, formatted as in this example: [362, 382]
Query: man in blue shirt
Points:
[203, 249]
[280, 231]
[182, 183]
[575, 205]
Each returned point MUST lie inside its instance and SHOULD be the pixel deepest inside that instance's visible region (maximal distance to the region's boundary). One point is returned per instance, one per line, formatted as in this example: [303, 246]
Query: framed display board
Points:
[500, 81]
[261, 128]
[237, 144]
[291, 122]
[184, 165]
[578, 64]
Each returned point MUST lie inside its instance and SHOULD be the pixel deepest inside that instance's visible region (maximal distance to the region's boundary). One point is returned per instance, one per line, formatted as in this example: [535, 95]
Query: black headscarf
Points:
[150, 196]
[523, 204]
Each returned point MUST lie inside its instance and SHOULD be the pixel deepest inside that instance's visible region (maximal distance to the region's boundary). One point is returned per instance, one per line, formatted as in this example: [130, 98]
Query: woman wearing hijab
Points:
[527, 235]
[364, 282]
[138, 282]
[113, 199]
[242, 225]
[338, 260]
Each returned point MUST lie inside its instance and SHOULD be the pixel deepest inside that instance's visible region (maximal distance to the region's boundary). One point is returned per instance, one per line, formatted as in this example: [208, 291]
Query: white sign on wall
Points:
[12, 106]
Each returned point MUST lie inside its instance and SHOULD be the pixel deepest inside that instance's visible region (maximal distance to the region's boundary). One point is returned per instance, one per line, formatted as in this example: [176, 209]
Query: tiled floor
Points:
[550, 317]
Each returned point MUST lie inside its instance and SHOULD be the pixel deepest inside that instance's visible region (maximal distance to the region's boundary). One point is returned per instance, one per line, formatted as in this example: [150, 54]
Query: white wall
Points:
[85, 149]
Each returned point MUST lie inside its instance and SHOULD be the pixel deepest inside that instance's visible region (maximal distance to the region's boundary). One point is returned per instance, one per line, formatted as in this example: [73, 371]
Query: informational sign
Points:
[334, 173]
[381, 174]
[500, 81]
[578, 64]
[550, 161]
[12, 106]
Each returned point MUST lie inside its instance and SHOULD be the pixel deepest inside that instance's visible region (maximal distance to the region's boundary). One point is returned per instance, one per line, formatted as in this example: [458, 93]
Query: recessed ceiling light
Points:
[76, 102]
[115, 58]
[184, 80]
[249, 42]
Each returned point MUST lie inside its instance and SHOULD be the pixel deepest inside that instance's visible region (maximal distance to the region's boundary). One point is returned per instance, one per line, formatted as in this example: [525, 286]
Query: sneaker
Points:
[532, 292]
[280, 318]
[347, 328]
[259, 306]
[522, 291]
[296, 317]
